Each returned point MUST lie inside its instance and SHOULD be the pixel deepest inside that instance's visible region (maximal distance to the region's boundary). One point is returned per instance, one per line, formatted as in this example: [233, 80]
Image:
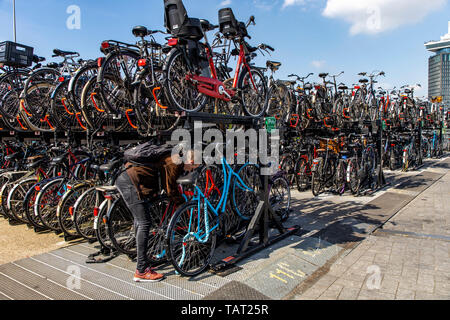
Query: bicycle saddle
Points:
[323, 75]
[288, 82]
[188, 179]
[308, 86]
[58, 160]
[37, 59]
[37, 162]
[206, 26]
[13, 156]
[110, 166]
[343, 87]
[140, 31]
[363, 81]
[62, 53]
[53, 65]
[273, 65]
[407, 91]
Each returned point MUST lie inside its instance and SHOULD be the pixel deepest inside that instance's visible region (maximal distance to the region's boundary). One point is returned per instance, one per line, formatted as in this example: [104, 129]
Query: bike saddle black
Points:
[363, 81]
[140, 31]
[53, 65]
[323, 75]
[58, 160]
[36, 162]
[343, 87]
[37, 59]
[206, 26]
[62, 53]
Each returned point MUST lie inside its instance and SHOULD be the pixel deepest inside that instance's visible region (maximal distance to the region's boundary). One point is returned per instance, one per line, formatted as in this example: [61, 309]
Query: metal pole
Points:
[14, 14]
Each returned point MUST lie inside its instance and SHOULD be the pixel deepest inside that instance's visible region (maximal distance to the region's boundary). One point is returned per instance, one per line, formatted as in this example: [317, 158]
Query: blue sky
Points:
[309, 35]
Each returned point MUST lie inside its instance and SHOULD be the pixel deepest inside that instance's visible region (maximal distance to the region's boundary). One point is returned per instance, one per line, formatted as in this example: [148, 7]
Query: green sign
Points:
[271, 124]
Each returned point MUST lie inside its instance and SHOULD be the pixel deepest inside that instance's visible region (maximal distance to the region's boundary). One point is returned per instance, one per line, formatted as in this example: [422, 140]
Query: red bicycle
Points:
[191, 78]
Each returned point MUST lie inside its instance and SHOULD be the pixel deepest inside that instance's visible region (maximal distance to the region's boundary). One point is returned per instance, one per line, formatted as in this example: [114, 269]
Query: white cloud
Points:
[318, 63]
[374, 16]
[225, 3]
[288, 3]
[265, 5]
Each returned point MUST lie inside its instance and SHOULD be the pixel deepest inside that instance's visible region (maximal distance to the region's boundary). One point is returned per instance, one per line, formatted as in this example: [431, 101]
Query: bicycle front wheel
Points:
[191, 239]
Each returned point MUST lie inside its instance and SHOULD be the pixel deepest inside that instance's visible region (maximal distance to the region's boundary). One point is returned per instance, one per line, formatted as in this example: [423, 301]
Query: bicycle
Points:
[188, 86]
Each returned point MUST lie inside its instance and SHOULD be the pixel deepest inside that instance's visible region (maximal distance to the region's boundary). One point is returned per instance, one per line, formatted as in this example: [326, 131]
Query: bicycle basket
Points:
[15, 55]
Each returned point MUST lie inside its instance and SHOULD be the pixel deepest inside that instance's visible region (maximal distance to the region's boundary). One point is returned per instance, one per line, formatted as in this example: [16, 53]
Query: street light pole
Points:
[14, 14]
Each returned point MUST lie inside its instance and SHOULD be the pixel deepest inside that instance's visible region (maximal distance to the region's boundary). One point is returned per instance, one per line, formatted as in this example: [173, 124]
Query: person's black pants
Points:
[141, 214]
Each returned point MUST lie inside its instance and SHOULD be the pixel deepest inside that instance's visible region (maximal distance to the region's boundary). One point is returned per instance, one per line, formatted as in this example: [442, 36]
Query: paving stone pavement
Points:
[405, 260]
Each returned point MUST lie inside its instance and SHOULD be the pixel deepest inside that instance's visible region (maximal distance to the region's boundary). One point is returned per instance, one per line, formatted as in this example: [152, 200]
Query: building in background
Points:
[439, 68]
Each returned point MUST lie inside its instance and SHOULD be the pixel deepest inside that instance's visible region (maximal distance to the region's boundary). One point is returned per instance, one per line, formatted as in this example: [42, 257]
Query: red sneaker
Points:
[148, 276]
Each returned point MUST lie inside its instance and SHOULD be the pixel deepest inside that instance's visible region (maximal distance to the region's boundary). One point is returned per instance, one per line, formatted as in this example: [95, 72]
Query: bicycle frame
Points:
[221, 206]
[215, 88]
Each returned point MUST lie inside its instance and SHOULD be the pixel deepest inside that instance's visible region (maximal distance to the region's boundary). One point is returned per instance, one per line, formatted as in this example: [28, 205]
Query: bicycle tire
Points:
[83, 213]
[280, 197]
[120, 228]
[244, 201]
[186, 97]
[46, 204]
[253, 103]
[64, 211]
[100, 223]
[16, 199]
[183, 259]
[302, 179]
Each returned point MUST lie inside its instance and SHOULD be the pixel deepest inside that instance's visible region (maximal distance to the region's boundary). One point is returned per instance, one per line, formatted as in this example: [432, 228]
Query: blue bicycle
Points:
[194, 228]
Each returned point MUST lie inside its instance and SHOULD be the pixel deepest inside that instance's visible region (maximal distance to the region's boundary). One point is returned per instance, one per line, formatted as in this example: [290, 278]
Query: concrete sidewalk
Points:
[335, 255]
[407, 259]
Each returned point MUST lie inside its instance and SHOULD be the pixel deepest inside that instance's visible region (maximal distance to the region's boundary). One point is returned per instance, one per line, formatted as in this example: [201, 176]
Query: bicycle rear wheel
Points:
[121, 229]
[189, 256]
[100, 222]
[28, 205]
[46, 204]
[181, 93]
[303, 174]
[280, 197]
[245, 201]
[253, 92]
[85, 209]
[160, 212]
[16, 199]
[66, 207]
